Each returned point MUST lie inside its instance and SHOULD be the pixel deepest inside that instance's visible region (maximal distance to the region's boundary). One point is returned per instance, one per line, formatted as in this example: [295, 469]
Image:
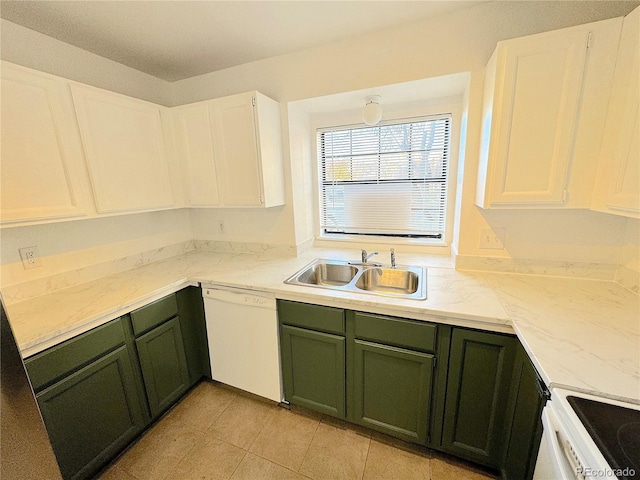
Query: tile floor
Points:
[218, 433]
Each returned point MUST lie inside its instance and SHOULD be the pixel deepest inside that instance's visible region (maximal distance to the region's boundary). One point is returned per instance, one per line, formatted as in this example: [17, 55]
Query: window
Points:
[386, 180]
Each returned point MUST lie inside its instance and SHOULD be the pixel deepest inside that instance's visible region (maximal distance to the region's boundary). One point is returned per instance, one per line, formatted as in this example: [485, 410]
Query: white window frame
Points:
[352, 120]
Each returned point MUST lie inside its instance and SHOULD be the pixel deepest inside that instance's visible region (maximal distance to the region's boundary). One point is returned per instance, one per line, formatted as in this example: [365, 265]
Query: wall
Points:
[83, 250]
[453, 43]
[110, 244]
[32, 49]
[628, 275]
[457, 42]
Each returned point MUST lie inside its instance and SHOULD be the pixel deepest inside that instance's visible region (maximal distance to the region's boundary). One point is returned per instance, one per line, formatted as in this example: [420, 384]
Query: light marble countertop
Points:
[580, 334]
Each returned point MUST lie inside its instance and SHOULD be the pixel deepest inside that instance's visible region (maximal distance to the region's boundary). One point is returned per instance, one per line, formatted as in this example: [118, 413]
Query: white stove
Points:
[587, 437]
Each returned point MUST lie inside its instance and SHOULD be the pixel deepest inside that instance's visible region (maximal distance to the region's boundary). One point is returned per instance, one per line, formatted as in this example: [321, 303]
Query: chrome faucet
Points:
[366, 257]
[393, 258]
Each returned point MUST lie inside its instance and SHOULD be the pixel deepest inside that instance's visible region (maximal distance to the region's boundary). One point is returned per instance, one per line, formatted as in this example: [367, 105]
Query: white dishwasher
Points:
[242, 331]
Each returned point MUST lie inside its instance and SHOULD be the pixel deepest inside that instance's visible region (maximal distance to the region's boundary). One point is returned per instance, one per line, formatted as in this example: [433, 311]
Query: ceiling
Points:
[178, 39]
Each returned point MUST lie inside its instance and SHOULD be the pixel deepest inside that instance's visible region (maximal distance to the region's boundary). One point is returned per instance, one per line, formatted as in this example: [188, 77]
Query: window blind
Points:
[388, 180]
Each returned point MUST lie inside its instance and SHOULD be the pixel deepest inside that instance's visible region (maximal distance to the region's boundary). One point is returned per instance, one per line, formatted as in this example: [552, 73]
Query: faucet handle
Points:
[393, 258]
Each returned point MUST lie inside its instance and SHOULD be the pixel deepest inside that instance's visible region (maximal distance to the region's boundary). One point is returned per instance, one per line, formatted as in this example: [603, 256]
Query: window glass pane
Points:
[388, 179]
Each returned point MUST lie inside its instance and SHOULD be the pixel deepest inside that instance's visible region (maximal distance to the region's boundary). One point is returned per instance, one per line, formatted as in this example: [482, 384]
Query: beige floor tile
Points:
[386, 462]
[256, 468]
[116, 473]
[203, 405]
[335, 453]
[401, 444]
[212, 459]
[159, 450]
[242, 421]
[286, 438]
[448, 468]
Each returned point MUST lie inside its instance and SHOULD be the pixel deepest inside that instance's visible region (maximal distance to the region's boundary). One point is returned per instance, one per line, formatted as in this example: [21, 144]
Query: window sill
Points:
[416, 245]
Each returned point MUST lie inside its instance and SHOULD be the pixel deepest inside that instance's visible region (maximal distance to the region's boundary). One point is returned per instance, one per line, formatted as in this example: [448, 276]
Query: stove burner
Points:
[615, 430]
[629, 441]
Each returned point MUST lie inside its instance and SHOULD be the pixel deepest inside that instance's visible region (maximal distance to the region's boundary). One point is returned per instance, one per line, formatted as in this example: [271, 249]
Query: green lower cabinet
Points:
[92, 414]
[478, 386]
[164, 365]
[481, 401]
[392, 390]
[524, 420]
[194, 333]
[313, 369]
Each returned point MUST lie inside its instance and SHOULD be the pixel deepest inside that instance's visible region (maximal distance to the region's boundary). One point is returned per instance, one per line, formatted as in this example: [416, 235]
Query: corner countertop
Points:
[581, 334]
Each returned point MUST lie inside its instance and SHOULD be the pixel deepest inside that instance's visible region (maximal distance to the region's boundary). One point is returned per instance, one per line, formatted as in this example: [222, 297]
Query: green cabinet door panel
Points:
[153, 314]
[524, 425]
[313, 369]
[480, 368]
[392, 390]
[92, 414]
[315, 317]
[164, 365]
[57, 362]
[194, 333]
[411, 334]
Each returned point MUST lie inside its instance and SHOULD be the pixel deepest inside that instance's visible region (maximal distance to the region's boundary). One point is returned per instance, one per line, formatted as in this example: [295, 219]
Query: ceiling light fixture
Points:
[372, 111]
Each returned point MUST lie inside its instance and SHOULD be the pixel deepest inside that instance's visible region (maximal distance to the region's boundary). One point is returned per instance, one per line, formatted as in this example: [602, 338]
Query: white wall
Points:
[629, 272]
[73, 245]
[450, 43]
[70, 246]
[32, 49]
[453, 43]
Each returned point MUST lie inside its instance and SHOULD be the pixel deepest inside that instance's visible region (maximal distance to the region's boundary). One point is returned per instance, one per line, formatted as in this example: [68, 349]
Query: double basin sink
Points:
[400, 281]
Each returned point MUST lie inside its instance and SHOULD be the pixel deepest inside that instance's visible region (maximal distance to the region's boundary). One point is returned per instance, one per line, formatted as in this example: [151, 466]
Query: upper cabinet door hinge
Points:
[253, 98]
[565, 195]
[589, 41]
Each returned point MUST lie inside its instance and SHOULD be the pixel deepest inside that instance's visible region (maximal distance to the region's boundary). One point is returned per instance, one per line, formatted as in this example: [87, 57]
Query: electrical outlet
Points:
[492, 239]
[30, 257]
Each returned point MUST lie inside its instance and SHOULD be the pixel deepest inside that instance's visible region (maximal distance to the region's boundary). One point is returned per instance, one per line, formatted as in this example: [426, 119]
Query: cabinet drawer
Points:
[46, 367]
[154, 314]
[394, 331]
[315, 317]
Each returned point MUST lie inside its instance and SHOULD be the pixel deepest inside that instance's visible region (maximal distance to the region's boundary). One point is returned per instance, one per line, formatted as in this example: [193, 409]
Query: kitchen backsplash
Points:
[554, 268]
[625, 276]
[34, 288]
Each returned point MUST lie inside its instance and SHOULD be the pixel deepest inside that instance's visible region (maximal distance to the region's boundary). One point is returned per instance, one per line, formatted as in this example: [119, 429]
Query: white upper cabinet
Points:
[618, 185]
[124, 149]
[41, 159]
[231, 151]
[194, 143]
[545, 102]
[247, 144]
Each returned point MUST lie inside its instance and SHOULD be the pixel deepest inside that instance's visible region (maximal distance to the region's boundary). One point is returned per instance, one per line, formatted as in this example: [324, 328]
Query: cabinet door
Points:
[164, 365]
[125, 151]
[524, 425]
[313, 370]
[194, 333]
[236, 149]
[536, 95]
[41, 152]
[618, 187]
[480, 367]
[194, 137]
[92, 414]
[392, 390]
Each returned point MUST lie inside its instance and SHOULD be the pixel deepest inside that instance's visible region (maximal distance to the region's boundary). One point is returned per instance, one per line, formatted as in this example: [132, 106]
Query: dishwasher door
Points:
[244, 347]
